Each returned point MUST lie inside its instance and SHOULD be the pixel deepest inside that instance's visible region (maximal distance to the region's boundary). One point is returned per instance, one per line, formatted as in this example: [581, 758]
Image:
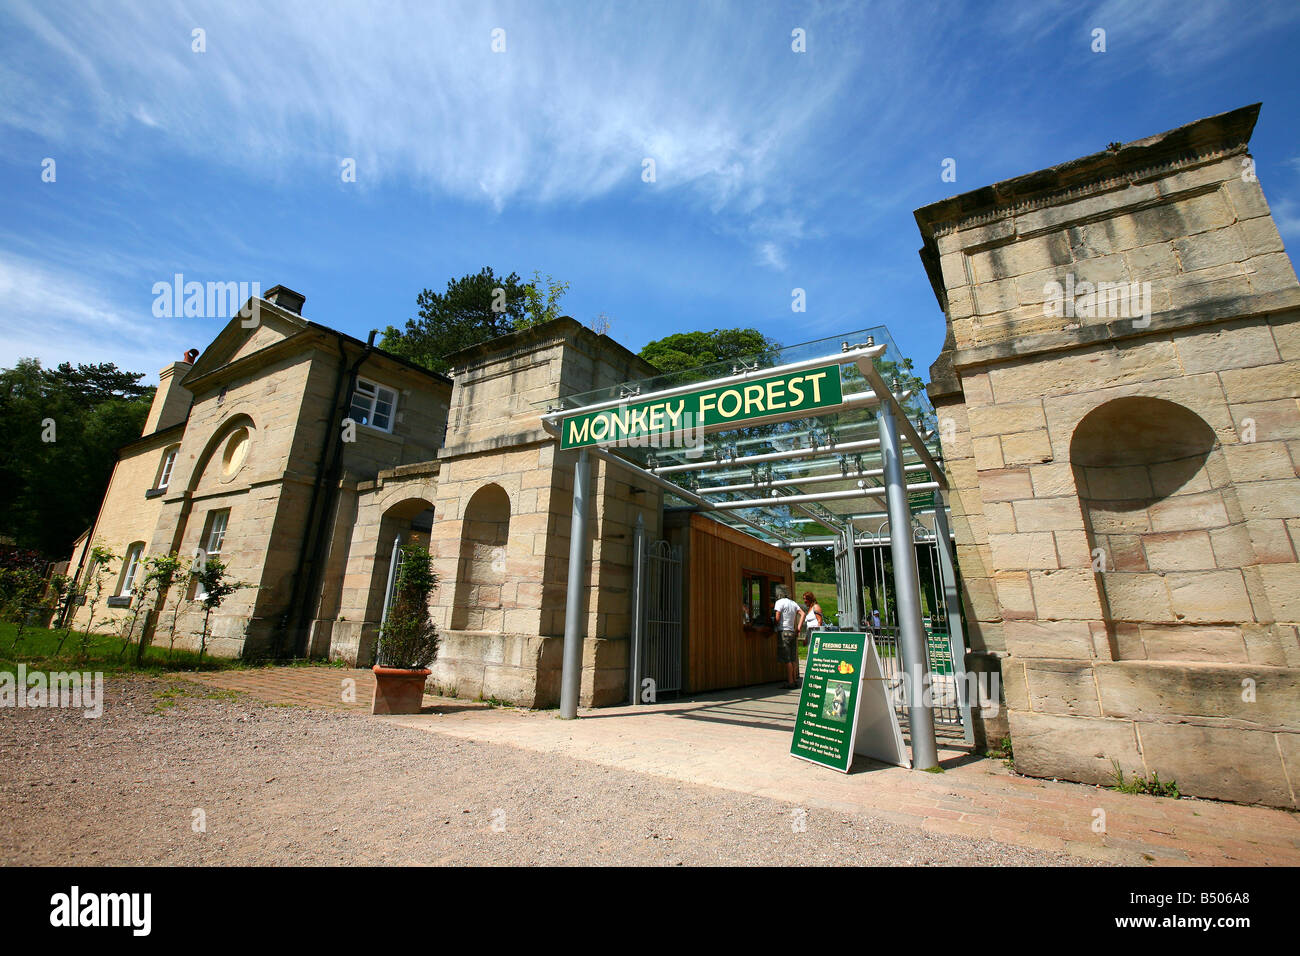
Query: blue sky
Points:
[774, 169]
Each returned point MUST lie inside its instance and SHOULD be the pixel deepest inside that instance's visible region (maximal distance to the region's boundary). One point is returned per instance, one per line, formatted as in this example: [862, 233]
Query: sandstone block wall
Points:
[1124, 482]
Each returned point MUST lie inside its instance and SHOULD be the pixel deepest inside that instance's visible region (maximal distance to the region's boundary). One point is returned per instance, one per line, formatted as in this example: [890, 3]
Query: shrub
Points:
[408, 638]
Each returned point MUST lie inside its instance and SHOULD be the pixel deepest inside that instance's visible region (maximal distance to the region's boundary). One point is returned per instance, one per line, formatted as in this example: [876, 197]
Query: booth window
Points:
[756, 597]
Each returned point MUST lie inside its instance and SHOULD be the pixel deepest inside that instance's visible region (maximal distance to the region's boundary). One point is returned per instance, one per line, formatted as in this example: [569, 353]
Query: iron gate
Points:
[656, 619]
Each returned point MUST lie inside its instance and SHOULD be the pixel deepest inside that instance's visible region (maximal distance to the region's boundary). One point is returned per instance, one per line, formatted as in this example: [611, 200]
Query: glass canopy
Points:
[801, 479]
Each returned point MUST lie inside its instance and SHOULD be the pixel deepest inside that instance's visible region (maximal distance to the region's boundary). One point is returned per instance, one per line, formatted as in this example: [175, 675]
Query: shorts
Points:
[786, 650]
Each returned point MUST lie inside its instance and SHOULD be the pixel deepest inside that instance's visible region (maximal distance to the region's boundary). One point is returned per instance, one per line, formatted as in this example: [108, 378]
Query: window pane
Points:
[360, 412]
[166, 476]
[132, 567]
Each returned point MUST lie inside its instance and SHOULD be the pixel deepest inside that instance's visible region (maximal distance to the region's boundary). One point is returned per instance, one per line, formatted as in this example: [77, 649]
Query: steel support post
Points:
[638, 611]
[952, 603]
[574, 609]
[911, 631]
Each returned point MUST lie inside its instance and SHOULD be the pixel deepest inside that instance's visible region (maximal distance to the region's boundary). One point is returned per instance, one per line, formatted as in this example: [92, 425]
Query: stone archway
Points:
[481, 568]
[409, 521]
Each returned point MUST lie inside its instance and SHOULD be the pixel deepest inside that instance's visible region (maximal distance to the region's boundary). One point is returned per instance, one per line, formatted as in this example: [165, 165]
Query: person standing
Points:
[789, 622]
[875, 621]
[812, 615]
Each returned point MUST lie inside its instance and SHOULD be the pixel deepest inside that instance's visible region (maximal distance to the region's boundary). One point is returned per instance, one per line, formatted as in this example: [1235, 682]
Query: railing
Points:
[943, 683]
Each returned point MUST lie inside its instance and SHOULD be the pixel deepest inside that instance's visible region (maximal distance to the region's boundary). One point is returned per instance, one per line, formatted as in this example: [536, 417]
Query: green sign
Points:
[845, 706]
[635, 423]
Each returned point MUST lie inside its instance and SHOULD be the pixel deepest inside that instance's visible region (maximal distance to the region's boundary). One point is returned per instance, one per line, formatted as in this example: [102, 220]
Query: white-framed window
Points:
[169, 462]
[130, 569]
[216, 536]
[374, 405]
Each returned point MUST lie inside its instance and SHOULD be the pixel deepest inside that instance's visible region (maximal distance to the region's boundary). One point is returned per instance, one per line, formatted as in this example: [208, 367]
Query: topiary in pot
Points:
[408, 638]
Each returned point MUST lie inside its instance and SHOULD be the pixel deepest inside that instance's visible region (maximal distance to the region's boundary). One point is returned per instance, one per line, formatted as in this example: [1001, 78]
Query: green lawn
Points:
[825, 594]
[38, 648]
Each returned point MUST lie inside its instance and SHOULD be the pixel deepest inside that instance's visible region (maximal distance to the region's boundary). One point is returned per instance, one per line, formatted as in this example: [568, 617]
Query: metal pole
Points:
[952, 603]
[911, 633]
[638, 610]
[574, 626]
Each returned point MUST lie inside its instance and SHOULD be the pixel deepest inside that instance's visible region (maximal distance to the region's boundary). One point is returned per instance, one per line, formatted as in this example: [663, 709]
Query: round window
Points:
[236, 451]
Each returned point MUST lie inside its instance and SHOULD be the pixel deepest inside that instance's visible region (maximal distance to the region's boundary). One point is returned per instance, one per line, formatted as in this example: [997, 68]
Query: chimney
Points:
[171, 403]
[285, 298]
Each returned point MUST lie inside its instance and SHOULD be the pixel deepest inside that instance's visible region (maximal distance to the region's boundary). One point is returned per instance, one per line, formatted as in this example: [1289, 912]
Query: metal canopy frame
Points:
[759, 473]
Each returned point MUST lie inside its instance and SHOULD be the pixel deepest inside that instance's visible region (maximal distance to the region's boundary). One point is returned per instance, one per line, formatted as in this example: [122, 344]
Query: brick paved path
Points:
[742, 743]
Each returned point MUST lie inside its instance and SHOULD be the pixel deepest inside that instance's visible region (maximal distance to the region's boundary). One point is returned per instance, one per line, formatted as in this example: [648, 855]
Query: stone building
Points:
[1118, 400]
[242, 456]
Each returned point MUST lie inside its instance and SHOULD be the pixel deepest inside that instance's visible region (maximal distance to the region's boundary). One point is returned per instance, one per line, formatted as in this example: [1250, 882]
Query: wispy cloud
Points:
[56, 315]
[566, 113]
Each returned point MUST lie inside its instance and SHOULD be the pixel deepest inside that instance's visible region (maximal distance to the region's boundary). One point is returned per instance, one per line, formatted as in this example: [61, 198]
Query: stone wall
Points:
[1124, 469]
[507, 644]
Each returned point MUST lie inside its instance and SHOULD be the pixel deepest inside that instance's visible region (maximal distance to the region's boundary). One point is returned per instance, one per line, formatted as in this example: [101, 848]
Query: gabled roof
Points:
[289, 325]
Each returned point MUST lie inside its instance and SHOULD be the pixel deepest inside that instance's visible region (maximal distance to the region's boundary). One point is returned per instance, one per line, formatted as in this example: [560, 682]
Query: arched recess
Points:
[1159, 509]
[480, 571]
[409, 521]
[225, 453]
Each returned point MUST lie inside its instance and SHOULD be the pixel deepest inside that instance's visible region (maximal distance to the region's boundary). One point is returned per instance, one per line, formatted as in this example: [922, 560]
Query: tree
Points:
[474, 308]
[408, 638]
[687, 350]
[542, 297]
[65, 427]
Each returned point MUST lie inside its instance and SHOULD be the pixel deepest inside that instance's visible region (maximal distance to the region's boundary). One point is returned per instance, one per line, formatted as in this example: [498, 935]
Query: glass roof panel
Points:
[832, 452]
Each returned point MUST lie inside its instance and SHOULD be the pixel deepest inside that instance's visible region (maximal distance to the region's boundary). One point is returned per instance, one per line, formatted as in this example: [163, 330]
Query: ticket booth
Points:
[729, 582]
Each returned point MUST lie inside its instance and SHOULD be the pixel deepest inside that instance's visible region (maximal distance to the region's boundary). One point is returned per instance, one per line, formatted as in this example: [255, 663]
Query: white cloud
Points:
[57, 315]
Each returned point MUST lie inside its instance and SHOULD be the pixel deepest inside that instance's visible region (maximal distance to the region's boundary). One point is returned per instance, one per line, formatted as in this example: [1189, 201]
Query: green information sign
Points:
[845, 706]
[632, 422]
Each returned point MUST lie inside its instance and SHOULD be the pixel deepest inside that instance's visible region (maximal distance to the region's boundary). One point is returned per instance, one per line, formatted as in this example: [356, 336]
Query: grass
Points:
[38, 649]
[826, 596]
[169, 697]
[1137, 783]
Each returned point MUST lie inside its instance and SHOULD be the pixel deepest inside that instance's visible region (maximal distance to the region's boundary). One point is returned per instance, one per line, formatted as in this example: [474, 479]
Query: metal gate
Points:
[859, 567]
[656, 619]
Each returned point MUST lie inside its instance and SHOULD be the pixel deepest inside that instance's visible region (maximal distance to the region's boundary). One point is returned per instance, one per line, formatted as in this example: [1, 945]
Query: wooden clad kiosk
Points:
[729, 577]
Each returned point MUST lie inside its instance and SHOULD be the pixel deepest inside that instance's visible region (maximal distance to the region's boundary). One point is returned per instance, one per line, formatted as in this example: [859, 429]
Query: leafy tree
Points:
[65, 427]
[687, 350]
[213, 589]
[542, 297]
[473, 309]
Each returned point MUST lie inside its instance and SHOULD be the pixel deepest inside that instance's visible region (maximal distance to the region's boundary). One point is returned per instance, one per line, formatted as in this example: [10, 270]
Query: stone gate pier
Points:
[1118, 402]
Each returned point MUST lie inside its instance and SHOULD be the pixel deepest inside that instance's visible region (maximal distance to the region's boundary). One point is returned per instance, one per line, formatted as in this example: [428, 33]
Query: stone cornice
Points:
[1208, 313]
[1204, 140]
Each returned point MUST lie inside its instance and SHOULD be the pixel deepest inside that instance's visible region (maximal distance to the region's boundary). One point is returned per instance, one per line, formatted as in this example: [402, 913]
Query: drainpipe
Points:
[328, 470]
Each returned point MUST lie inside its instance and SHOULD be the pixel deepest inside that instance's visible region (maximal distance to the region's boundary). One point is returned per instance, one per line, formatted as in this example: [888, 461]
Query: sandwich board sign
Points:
[845, 706]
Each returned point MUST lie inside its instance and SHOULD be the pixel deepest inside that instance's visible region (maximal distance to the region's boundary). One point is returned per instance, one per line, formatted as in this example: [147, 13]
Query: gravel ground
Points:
[295, 786]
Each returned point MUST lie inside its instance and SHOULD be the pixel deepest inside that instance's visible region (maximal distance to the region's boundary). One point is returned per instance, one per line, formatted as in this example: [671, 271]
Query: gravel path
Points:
[295, 786]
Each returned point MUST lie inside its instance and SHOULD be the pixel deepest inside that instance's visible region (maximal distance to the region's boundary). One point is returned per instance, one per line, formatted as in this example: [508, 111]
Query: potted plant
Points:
[408, 638]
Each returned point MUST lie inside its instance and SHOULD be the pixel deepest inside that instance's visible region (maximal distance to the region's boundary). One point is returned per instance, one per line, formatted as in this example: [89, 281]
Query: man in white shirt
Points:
[789, 622]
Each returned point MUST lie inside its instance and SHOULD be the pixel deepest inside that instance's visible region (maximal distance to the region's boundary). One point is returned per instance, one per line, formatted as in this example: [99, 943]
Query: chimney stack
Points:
[171, 403]
[285, 298]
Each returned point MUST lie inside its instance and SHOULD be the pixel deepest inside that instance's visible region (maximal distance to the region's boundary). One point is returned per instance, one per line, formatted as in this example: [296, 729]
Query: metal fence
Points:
[943, 682]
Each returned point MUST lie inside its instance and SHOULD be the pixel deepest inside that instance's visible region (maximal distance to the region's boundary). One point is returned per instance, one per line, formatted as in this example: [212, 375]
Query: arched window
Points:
[481, 571]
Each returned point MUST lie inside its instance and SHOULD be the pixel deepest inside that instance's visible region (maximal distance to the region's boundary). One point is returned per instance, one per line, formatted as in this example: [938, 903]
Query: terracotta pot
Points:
[398, 690]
